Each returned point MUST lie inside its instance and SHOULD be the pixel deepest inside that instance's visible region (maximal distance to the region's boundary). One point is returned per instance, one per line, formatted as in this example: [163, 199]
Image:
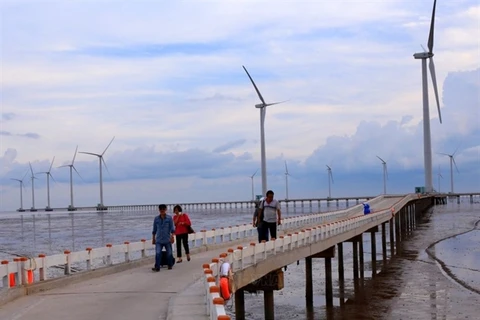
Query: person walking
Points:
[258, 223]
[182, 227]
[269, 209]
[162, 237]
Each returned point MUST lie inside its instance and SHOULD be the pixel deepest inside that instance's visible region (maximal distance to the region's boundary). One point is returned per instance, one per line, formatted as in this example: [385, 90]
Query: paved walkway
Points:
[137, 293]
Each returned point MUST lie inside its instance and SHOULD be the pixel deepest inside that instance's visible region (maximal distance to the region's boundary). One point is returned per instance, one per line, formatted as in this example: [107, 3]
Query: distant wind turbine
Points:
[100, 160]
[49, 175]
[253, 187]
[330, 179]
[21, 191]
[72, 167]
[427, 143]
[385, 175]
[439, 177]
[33, 188]
[452, 163]
[286, 181]
[263, 109]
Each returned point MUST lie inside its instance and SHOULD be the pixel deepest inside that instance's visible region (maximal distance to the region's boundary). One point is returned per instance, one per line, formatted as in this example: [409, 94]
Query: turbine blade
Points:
[66, 165]
[108, 146]
[52, 178]
[271, 104]
[383, 161]
[328, 168]
[78, 173]
[435, 88]
[105, 164]
[432, 27]
[443, 154]
[253, 175]
[75, 154]
[455, 164]
[31, 170]
[286, 168]
[455, 151]
[255, 86]
[51, 164]
[25, 175]
[424, 50]
[90, 153]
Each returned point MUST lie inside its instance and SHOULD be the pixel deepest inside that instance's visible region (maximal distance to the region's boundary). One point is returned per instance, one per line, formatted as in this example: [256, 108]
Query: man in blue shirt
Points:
[162, 237]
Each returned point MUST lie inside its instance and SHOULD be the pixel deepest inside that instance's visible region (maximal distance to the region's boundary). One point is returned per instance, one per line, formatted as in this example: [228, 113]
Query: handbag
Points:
[190, 229]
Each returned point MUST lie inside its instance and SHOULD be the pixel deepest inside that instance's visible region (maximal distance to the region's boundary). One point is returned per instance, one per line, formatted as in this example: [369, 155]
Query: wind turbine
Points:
[33, 188]
[330, 178]
[385, 175]
[263, 107]
[427, 143]
[21, 191]
[100, 160]
[72, 167]
[286, 181]
[439, 177]
[49, 175]
[253, 188]
[452, 162]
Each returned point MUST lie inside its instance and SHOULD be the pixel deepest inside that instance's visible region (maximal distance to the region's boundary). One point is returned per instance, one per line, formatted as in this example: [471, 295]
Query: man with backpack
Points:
[268, 216]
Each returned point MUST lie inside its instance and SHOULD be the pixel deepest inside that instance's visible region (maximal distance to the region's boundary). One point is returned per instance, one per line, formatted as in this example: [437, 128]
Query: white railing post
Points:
[109, 254]
[254, 245]
[41, 269]
[89, 259]
[144, 248]
[127, 251]
[6, 277]
[204, 236]
[18, 275]
[222, 236]
[242, 256]
[68, 262]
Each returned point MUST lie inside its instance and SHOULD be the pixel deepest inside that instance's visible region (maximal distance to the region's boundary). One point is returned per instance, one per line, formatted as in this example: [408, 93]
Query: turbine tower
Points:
[253, 187]
[263, 108]
[32, 209]
[21, 191]
[72, 167]
[286, 181]
[452, 163]
[330, 179]
[100, 160]
[49, 175]
[427, 143]
[385, 175]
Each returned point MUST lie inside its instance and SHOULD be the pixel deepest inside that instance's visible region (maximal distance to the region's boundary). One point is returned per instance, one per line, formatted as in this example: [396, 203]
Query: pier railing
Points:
[26, 270]
[245, 256]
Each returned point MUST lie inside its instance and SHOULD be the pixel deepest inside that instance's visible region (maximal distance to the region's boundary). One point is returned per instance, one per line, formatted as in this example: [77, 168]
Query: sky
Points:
[166, 80]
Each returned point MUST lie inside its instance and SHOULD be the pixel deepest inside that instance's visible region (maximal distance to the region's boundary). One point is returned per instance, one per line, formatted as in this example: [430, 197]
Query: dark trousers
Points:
[264, 229]
[158, 254]
[272, 227]
[179, 238]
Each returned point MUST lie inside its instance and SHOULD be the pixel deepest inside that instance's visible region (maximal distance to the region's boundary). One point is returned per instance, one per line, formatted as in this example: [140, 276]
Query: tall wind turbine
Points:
[72, 167]
[253, 187]
[427, 143]
[33, 188]
[49, 175]
[100, 160]
[286, 181]
[330, 179]
[21, 191]
[452, 162]
[263, 108]
[385, 175]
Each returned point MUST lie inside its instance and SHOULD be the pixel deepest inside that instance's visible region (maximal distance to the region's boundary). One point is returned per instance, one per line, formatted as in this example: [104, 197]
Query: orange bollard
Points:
[12, 280]
[29, 276]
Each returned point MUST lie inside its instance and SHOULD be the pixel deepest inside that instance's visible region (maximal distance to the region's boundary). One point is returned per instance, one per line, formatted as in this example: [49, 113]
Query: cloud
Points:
[8, 116]
[173, 99]
[24, 135]
[230, 145]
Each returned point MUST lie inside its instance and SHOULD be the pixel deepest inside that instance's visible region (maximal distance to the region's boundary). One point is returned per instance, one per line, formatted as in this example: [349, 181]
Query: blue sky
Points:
[166, 79]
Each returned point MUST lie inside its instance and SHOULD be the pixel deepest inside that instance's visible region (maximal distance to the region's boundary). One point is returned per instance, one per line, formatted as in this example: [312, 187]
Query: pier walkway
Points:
[139, 293]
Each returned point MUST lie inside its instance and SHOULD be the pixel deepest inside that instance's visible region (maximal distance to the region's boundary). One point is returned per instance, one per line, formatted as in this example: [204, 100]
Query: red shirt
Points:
[181, 228]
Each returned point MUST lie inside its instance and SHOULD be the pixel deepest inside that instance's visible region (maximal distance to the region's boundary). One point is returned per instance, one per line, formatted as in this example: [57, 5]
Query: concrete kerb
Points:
[11, 294]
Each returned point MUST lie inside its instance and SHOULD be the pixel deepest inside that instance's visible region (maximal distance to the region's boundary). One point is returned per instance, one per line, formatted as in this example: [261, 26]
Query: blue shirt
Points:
[163, 228]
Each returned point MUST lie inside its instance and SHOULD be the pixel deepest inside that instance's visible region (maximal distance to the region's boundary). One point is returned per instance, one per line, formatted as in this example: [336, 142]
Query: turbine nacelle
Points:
[423, 55]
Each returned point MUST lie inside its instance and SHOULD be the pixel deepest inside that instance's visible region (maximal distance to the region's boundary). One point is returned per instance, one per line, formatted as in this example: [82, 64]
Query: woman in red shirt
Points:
[182, 222]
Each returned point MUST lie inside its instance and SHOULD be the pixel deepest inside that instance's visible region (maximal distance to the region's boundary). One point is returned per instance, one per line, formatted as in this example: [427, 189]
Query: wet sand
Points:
[442, 283]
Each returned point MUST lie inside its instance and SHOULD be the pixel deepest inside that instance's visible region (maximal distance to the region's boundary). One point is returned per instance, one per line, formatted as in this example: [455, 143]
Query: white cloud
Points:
[166, 80]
